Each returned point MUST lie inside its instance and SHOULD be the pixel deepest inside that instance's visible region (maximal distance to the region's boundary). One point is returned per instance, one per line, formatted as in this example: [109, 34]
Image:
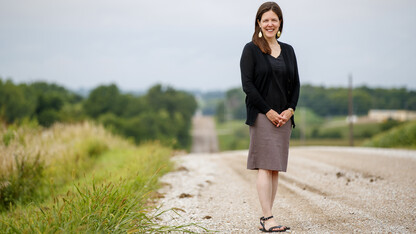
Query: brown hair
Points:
[261, 42]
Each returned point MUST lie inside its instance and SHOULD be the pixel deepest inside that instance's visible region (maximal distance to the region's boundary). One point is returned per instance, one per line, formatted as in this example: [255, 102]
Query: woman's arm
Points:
[247, 78]
[294, 93]
[295, 88]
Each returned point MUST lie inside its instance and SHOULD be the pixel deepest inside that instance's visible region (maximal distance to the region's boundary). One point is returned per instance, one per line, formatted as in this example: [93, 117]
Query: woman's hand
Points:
[286, 114]
[276, 119]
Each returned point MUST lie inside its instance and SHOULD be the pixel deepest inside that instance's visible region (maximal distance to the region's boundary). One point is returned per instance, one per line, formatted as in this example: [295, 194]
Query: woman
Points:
[270, 79]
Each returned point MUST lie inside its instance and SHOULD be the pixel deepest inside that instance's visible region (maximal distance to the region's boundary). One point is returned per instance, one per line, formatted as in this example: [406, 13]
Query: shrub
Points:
[94, 148]
[330, 133]
[48, 117]
[388, 124]
[8, 136]
[403, 136]
[23, 183]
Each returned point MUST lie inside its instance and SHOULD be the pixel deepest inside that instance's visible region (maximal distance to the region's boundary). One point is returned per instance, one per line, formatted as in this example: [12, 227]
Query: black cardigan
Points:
[256, 74]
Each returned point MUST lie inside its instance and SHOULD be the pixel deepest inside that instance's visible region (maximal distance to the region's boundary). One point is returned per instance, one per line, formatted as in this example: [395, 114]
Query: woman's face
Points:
[269, 24]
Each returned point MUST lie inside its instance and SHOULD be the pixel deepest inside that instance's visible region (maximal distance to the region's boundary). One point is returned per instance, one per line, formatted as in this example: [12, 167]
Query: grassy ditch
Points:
[78, 178]
[36, 161]
[403, 136]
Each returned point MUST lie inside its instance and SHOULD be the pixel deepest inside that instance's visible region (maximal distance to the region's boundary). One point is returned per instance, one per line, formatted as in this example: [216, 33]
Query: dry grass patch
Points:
[35, 161]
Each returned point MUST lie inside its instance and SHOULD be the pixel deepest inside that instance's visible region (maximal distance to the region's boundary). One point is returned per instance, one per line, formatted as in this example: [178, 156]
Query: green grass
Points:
[341, 131]
[111, 195]
[110, 198]
[233, 135]
[402, 136]
[36, 161]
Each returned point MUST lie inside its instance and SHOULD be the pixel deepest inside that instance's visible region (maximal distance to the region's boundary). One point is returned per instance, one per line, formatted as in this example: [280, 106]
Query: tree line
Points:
[334, 101]
[162, 113]
[327, 101]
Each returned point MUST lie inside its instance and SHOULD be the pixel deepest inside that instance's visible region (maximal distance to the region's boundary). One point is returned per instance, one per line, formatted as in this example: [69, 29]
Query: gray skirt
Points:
[269, 145]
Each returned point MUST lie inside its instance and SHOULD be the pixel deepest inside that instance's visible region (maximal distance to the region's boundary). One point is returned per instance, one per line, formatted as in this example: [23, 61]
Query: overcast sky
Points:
[197, 44]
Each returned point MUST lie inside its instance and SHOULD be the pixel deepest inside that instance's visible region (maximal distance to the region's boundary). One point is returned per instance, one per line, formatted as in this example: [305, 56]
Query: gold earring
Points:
[260, 34]
[278, 34]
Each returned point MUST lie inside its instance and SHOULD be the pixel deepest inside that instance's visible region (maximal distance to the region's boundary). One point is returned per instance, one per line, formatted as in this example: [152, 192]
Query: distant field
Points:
[324, 142]
[310, 130]
[233, 135]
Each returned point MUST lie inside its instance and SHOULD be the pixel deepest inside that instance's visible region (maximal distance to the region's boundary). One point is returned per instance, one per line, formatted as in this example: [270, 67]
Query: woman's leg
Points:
[275, 176]
[266, 189]
[267, 182]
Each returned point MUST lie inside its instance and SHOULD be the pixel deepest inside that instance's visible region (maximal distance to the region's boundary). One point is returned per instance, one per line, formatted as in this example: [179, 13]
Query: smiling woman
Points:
[270, 24]
[270, 79]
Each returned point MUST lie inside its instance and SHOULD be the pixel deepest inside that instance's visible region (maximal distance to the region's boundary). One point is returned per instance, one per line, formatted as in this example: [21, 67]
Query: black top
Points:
[276, 97]
[258, 80]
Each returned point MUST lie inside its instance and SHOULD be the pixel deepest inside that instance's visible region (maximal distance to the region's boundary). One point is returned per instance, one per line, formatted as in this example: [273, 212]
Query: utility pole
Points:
[350, 111]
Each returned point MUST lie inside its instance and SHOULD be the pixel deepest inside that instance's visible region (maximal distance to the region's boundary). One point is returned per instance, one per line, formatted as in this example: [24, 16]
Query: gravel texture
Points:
[326, 190]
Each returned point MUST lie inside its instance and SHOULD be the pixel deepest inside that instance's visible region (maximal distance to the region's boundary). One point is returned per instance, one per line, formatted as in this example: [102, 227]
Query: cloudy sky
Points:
[198, 44]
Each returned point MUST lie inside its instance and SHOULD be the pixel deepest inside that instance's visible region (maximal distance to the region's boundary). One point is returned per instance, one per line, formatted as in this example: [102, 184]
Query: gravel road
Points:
[325, 190]
[204, 136]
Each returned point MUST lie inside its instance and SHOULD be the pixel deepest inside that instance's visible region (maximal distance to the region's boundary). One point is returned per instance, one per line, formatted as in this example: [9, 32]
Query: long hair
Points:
[261, 42]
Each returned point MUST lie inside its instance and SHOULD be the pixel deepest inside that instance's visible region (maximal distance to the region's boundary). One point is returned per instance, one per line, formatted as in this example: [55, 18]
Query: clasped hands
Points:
[278, 119]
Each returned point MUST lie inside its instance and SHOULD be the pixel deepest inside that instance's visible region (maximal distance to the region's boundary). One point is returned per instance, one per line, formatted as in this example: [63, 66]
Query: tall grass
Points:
[34, 160]
[57, 145]
[111, 198]
[402, 136]
[95, 182]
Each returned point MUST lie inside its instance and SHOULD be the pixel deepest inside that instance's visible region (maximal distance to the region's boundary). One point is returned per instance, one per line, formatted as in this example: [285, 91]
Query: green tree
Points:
[16, 102]
[163, 114]
[51, 98]
[220, 112]
[159, 97]
[411, 101]
[104, 99]
[235, 103]
[362, 102]
[47, 89]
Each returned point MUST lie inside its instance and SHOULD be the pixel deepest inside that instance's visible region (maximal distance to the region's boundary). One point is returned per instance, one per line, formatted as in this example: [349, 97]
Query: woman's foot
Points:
[269, 225]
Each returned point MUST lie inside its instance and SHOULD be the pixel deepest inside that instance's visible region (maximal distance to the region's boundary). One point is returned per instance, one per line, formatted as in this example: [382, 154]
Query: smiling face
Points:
[269, 24]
